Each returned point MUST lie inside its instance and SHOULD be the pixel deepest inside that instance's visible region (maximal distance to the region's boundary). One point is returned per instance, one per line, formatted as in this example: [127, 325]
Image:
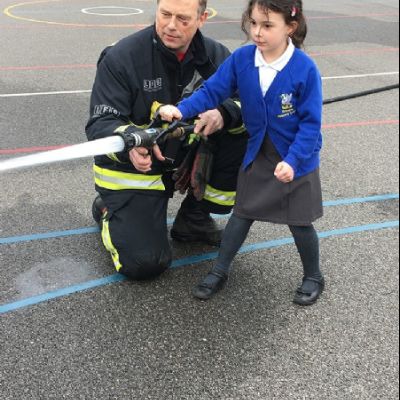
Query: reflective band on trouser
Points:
[237, 131]
[116, 180]
[240, 129]
[220, 197]
[108, 244]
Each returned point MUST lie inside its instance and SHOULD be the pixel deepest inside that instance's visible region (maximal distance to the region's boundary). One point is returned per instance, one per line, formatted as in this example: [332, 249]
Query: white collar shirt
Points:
[268, 72]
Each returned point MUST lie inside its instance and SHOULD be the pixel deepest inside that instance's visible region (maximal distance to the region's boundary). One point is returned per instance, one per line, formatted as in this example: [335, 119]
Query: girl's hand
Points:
[284, 172]
[170, 113]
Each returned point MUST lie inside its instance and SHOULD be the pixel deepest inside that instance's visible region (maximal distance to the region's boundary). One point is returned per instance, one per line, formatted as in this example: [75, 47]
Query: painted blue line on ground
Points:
[186, 262]
[91, 230]
[358, 200]
[359, 229]
[48, 235]
[61, 293]
[281, 242]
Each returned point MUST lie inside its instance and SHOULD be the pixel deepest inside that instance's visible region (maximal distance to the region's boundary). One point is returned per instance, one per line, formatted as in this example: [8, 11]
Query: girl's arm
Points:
[310, 113]
[221, 86]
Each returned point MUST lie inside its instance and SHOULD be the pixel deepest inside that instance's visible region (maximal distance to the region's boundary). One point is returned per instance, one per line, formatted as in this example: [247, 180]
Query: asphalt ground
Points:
[70, 328]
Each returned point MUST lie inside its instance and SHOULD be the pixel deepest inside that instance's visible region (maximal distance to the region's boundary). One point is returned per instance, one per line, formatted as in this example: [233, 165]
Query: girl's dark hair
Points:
[292, 10]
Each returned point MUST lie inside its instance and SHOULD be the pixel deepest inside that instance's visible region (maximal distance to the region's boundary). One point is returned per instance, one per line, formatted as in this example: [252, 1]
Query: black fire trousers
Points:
[134, 229]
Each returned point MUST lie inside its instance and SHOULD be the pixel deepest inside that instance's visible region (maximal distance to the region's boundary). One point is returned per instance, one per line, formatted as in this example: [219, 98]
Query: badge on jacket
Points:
[152, 85]
[287, 105]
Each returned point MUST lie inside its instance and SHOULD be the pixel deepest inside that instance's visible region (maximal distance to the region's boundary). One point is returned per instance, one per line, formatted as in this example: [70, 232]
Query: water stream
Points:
[113, 144]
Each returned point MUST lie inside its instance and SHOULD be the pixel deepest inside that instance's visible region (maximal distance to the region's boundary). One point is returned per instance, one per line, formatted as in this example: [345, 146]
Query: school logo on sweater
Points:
[287, 105]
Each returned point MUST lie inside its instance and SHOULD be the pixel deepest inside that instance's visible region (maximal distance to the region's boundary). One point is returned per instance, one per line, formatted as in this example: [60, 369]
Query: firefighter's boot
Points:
[98, 210]
[194, 224]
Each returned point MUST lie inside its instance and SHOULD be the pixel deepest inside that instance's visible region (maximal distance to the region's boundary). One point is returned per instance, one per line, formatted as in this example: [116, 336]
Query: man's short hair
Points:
[202, 6]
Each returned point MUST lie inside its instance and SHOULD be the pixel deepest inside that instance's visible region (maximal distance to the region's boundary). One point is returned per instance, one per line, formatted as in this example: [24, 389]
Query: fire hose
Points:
[125, 141]
[361, 94]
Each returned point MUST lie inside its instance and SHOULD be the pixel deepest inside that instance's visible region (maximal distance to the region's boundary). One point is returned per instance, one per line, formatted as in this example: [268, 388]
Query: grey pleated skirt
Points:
[261, 197]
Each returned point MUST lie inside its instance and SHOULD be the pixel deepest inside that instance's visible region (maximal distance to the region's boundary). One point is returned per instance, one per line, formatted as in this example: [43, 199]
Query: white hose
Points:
[113, 144]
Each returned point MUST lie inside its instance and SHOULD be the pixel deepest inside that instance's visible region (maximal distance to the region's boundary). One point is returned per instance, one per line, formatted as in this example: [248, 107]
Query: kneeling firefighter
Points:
[161, 65]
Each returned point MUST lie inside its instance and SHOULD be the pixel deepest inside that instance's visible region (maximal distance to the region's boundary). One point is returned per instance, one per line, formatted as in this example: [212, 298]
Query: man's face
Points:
[177, 22]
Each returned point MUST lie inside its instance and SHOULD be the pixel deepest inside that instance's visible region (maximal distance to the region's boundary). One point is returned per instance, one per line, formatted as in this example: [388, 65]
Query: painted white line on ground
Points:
[132, 11]
[326, 78]
[44, 93]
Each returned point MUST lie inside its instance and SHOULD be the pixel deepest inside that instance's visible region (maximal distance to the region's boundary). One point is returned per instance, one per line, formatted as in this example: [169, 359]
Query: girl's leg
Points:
[234, 236]
[307, 243]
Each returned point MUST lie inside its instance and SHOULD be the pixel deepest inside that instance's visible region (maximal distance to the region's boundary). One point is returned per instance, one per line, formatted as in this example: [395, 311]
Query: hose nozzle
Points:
[137, 137]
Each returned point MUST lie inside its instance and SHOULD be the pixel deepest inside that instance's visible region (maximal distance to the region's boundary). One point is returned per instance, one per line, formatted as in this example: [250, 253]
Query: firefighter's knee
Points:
[146, 266]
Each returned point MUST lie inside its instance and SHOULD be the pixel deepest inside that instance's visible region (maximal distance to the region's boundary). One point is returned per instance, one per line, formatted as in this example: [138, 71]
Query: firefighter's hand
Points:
[209, 123]
[142, 160]
[284, 172]
[170, 113]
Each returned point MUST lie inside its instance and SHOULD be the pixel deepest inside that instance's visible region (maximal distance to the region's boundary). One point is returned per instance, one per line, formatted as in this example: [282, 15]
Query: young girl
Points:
[281, 94]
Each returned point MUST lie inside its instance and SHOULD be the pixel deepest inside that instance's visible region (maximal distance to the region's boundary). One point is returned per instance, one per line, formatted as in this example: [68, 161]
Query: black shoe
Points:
[193, 224]
[98, 209]
[309, 292]
[210, 285]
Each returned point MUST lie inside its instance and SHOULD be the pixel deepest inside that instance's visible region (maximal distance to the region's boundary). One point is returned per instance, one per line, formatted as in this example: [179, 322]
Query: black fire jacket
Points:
[138, 71]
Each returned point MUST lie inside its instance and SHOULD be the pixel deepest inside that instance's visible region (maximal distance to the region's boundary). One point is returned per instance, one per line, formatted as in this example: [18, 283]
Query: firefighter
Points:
[162, 64]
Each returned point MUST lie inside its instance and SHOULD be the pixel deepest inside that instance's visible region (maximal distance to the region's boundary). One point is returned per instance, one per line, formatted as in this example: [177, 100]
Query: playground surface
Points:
[71, 328]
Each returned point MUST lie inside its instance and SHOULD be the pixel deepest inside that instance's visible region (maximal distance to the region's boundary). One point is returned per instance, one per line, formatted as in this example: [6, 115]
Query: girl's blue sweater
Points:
[290, 113]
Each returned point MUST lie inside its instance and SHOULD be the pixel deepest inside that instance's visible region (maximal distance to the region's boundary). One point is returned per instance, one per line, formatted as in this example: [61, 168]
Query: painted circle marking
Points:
[92, 11]
[9, 12]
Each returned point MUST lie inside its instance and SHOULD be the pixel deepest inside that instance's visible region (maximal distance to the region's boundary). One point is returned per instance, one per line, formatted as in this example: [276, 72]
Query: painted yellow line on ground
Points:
[9, 12]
